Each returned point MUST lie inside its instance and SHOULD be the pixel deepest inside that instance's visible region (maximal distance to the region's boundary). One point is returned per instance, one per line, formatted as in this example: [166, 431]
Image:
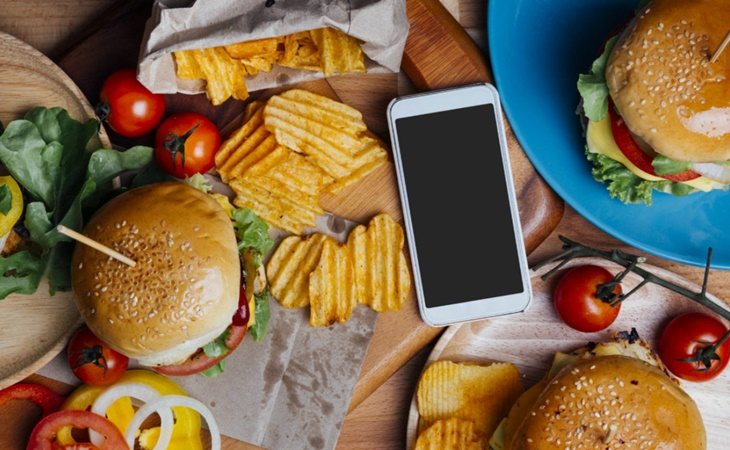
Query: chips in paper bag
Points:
[223, 73]
[289, 268]
[339, 52]
[382, 276]
[482, 394]
[449, 434]
[331, 286]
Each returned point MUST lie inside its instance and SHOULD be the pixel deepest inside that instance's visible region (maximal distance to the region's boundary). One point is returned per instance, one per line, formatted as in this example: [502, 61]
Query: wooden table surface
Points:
[379, 422]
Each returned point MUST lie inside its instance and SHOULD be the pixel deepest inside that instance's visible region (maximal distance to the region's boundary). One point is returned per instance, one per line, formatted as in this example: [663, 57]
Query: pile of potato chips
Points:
[325, 50]
[333, 279]
[460, 405]
[290, 150]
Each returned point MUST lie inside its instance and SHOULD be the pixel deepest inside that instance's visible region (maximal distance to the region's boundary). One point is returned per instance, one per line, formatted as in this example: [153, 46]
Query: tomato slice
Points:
[44, 434]
[200, 361]
[635, 154]
[48, 400]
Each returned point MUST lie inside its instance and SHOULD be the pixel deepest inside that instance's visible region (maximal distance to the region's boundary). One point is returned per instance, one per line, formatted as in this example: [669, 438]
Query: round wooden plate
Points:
[529, 341]
[34, 328]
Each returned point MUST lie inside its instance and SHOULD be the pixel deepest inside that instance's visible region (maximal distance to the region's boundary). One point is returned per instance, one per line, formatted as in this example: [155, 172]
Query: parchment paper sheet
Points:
[382, 25]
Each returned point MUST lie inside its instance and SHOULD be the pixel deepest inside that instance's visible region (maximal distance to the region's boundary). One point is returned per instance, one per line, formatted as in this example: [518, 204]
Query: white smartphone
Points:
[459, 205]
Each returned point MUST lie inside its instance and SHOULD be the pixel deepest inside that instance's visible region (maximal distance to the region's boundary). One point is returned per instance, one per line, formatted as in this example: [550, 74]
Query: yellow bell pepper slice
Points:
[185, 432]
[7, 221]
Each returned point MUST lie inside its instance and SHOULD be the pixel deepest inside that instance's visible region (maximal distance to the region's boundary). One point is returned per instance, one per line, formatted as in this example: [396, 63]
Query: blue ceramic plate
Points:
[538, 48]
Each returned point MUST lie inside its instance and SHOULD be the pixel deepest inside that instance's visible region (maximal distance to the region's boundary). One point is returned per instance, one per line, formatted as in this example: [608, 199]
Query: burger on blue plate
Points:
[657, 107]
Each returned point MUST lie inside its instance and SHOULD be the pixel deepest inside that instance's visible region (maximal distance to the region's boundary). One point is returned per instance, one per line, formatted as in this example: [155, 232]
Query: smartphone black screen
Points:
[460, 212]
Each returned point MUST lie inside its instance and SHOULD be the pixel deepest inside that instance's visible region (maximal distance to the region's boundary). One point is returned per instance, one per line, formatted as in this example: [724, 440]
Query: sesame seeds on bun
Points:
[611, 402]
[184, 289]
[661, 80]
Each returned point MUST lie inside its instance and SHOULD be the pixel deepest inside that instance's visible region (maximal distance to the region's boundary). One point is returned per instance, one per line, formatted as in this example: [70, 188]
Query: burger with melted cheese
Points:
[183, 293]
[658, 108]
[606, 396]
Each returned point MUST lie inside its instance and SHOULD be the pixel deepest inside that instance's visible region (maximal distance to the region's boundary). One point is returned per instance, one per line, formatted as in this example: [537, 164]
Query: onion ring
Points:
[166, 403]
[138, 391]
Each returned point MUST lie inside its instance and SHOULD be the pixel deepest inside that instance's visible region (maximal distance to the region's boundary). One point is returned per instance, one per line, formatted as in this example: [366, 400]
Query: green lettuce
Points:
[258, 330]
[592, 86]
[666, 166]
[46, 152]
[6, 199]
[252, 233]
[625, 185]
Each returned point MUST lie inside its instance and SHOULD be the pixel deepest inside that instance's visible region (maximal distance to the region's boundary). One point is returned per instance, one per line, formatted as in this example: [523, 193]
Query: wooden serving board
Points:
[452, 59]
[531, 339]
[29, 79]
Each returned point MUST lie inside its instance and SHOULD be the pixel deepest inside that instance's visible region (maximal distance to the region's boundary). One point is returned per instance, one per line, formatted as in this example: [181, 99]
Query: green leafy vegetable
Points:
[6, 199]
[593, 88]
[258, 330]
[218, 346]
[199, 182]
[215, 370]
[625, 185]
[21, 272]
[251, 233]
[46, 152]
[665, 166]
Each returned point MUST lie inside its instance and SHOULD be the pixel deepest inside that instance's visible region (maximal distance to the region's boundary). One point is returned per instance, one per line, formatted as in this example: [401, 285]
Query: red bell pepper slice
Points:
[44, 434]
[48, 400]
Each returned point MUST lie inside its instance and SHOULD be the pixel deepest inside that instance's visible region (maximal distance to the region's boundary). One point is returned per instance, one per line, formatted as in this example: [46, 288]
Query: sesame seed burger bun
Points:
[184, 289]
[611, 402]
[663, 85]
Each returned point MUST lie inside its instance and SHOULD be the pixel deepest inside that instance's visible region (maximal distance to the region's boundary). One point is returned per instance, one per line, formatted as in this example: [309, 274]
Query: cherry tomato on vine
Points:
[688, 346]
[127, 106]
[93, 361]
[576, 301]
[186, 144]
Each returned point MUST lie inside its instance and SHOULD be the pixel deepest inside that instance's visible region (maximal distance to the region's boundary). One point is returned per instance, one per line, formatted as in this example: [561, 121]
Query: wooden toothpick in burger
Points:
[95, 245]
[721, 48]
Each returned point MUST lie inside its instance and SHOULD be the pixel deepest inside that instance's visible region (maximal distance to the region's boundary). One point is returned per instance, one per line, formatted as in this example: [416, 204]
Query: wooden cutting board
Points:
[438, 54]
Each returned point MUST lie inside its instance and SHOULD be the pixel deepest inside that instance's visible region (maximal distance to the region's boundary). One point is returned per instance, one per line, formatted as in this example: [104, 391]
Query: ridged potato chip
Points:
[382, 277]
[223, 74]
[482, 394]
[331, 286]
[450, 434]
[300, 52]
[331, 133]
[339, 52]
[251, 49]
[289, 268]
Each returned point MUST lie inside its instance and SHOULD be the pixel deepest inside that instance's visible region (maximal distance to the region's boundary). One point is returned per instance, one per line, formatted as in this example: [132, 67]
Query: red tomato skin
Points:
[133, 110]
[576, 303]
[200, 147]
[83, 340]
[44, 433]
[683, 336]
[626, 143]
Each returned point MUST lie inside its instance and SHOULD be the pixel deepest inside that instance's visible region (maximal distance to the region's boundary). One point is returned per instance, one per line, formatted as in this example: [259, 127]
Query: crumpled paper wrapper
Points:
[381, 25]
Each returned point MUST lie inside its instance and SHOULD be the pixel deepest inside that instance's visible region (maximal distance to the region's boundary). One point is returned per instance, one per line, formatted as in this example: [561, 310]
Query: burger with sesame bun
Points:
[183, 307]
[613, 395]
[657, 107]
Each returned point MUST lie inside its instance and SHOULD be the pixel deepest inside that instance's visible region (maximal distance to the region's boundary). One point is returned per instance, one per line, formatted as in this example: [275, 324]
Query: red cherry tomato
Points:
[127, 106]
[576, 301]
[686, 345]
[93, 361]
[186, 144]
[631, 150]
[44, 434]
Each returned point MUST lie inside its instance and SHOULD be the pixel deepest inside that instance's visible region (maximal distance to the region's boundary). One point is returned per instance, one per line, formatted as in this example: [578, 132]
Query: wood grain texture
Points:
[29, 79]
[530, 340]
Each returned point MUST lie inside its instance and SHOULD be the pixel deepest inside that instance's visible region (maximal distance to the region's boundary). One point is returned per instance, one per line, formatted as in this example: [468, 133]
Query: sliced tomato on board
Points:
[631, 150]
[43, 436]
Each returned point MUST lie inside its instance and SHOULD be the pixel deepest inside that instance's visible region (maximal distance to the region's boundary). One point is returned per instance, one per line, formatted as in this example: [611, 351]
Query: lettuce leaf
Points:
[626, 186]
[251, 233]
[6, 200]
[666, 166]
[46, 152]
[592, 86]
[258, 330]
